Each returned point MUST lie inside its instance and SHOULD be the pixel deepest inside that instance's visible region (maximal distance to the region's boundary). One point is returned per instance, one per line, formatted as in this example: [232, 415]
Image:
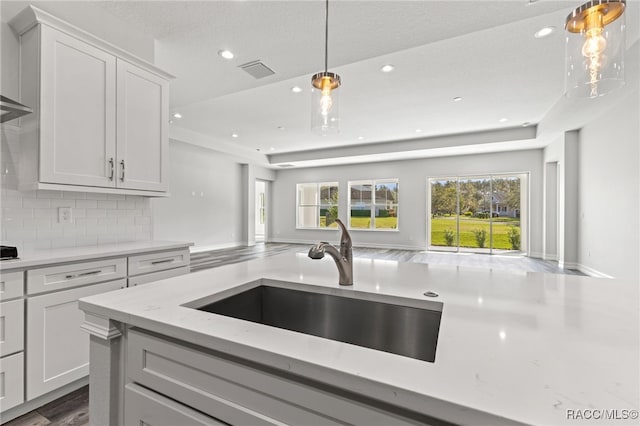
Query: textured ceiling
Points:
[483, 51]
[289, 35]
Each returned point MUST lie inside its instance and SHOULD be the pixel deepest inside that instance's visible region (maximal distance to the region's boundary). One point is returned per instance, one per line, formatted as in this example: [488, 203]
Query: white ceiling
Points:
[482, 51]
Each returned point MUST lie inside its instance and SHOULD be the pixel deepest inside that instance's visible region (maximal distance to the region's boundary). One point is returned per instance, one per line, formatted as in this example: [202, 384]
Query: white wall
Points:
[206, 203]
[551, 211]
[563, 153]
[609, 157]
[412, 175]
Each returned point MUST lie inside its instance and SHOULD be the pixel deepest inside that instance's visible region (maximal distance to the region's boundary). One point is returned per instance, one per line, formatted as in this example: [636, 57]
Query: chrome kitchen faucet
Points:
[343, 258]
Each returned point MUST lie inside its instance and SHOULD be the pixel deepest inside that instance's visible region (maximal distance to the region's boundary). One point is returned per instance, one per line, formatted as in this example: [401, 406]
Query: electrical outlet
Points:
[65, 215]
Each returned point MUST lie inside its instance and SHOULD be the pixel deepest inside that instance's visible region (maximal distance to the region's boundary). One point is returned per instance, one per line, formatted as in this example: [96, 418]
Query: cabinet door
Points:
[11, 381]
[78, 112]
[144, 407]
[11, 285]
[57, 349]
[11, 326]
[142, 135]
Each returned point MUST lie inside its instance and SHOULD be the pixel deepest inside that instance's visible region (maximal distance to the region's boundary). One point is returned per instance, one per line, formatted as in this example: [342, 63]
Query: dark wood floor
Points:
[73, 409]
[70, 410]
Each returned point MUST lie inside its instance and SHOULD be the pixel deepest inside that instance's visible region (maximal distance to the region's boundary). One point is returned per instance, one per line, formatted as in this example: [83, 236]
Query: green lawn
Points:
[381, 223]
[365, 223]
[467, 238]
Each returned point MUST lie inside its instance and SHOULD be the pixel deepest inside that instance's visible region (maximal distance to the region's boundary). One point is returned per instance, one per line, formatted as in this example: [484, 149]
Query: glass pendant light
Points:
[324, 99]
[595, 48]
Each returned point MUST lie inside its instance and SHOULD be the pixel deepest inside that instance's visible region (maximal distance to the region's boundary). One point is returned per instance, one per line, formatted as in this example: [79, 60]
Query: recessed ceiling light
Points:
[272, 149]
[177, 115]
[360, 138]
[418, 130]
[457, 99]
[170, 121]
[387, 68]
[503, 120]
[296, 89]
[525, 124]
[543, 32]
[226, 54]
[234, 135]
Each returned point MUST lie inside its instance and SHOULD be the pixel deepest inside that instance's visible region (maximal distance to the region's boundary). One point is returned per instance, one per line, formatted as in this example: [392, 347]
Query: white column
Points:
[106, 370]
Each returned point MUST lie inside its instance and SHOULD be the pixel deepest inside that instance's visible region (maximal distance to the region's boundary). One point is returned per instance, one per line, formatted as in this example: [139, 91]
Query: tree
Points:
[443, 198]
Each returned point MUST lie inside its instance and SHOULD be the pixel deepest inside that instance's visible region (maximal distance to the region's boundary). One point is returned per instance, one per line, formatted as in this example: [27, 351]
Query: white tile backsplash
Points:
[32, 223]
[30, 218]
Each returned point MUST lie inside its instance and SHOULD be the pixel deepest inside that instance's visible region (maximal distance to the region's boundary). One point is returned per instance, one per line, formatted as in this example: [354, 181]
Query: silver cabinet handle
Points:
[122, 175]
[112, 168]
[82, 274]
[157, 262]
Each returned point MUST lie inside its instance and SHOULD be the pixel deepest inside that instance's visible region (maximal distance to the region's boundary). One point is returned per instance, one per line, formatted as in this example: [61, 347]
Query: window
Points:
[478, 213]
[317, 205]
[373, 204]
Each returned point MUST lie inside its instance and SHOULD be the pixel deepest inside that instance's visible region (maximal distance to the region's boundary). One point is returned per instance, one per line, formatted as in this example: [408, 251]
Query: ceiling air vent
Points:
[286, 166]
[257, 69]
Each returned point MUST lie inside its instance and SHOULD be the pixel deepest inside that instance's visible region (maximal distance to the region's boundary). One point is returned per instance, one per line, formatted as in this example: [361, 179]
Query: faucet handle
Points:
[317, 251]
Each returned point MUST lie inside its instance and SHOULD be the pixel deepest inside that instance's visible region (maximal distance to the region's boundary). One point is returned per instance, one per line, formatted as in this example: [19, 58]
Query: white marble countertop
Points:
[39, 258]
[512, 347]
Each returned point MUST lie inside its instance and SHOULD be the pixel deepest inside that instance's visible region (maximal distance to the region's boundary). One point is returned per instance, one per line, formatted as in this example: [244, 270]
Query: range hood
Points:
[10, 109]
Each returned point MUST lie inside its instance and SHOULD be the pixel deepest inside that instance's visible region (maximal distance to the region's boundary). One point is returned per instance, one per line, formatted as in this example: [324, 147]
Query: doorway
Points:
[479, 214]
[261, 212]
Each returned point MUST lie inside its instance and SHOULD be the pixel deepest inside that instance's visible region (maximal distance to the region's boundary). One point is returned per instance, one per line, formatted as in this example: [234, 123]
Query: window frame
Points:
[318, 204]
[373, 203]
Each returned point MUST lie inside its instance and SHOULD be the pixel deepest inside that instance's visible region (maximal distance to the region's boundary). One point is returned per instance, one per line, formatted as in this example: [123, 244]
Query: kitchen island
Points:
[512, 348]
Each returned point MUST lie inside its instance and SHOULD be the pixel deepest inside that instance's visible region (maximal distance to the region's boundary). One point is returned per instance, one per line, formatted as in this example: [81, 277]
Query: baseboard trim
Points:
[28, 406]
[552, 257]
[592, 272]
[567, 265]
[536, 255]
[199, 249]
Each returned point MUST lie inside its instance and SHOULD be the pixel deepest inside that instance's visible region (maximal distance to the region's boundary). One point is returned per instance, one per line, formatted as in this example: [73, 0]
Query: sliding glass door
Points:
[479, 214]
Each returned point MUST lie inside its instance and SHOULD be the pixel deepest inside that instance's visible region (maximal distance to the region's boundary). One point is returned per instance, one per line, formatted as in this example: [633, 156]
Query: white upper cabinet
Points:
[100, 114]
[78, 111]
[143, 119]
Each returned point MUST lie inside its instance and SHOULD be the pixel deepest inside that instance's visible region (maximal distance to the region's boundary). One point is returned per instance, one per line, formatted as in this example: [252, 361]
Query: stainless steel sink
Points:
[402, 330]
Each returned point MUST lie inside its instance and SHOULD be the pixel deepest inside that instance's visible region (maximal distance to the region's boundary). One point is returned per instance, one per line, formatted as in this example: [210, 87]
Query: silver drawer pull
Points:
[82, 274]
[111, 167]
[157, 262]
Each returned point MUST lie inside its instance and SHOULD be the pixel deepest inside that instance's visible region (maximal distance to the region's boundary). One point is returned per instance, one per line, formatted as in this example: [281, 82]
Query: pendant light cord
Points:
[326, 37]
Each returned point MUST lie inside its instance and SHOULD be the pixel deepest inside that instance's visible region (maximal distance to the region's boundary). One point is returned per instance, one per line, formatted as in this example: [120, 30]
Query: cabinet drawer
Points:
[160, 261]
[11, 381]
[57, 348]
[241, 394]
[11, 327]
[76, 274]
[157, 276]
[144, 407]
[11, 285]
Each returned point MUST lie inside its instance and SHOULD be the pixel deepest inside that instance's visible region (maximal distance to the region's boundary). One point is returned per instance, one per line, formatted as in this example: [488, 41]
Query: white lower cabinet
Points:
[11, 381]
[145, 407]
[160, 261]
[57, 349]
[237, 393]
[157, 276]
[11, 326]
